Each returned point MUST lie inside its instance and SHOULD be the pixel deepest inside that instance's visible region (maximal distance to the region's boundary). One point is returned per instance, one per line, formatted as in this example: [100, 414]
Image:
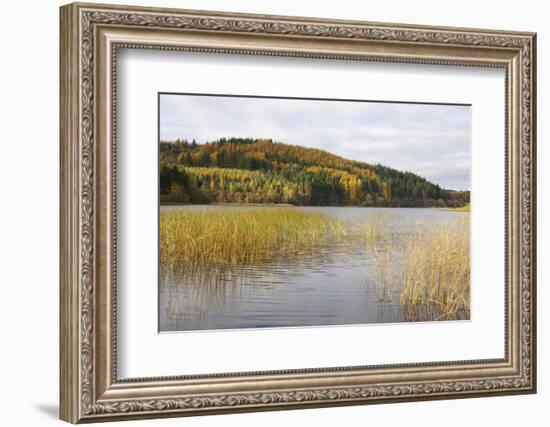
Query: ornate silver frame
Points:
[90, 36]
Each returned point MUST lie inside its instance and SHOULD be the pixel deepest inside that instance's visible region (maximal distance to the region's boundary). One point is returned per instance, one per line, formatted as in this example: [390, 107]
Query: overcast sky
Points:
[432, 141]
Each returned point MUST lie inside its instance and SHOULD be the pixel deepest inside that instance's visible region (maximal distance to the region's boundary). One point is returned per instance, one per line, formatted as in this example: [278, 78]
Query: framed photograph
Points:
[266, 212]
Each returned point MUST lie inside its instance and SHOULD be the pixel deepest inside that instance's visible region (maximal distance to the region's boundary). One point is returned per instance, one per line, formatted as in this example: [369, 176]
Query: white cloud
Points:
[430, 140]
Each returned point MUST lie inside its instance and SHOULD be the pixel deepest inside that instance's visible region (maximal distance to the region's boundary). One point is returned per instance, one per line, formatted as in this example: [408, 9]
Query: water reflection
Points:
[335, 283]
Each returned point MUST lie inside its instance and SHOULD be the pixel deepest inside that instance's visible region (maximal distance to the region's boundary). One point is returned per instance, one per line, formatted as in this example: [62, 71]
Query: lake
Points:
[336, 282]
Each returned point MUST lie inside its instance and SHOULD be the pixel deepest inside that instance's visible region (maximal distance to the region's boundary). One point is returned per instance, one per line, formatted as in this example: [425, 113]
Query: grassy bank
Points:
[465, 208]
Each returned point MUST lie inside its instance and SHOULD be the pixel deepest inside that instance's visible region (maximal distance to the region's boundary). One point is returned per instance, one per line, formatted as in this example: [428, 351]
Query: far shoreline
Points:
[465, 208]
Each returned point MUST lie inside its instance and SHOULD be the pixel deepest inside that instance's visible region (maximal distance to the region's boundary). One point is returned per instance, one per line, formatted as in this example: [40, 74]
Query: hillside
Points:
[263, 171]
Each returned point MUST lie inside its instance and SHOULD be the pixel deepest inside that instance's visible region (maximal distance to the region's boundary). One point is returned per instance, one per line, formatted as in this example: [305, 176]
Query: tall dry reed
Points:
[435, 273]
[197, 239]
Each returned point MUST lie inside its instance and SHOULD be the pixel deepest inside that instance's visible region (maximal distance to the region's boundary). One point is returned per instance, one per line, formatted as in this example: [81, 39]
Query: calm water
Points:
[336, 286]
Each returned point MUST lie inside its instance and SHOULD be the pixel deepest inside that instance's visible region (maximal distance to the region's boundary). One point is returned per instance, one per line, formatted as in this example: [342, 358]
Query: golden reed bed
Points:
[425, 269]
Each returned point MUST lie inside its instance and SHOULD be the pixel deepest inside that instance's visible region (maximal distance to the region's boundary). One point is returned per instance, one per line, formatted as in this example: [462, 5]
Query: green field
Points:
[465, 208]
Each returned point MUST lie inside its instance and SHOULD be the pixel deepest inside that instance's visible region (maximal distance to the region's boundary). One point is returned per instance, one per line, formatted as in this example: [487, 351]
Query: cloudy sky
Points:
[430, 140]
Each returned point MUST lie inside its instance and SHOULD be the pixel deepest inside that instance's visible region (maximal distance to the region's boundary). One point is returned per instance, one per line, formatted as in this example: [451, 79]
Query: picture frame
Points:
[91, 37]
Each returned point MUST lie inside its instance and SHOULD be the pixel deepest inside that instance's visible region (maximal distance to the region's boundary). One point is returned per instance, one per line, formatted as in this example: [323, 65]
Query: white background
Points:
[29, 171]
[145, 353]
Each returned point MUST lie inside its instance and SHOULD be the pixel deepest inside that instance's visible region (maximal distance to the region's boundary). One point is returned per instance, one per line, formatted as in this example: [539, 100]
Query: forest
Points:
[243, 170]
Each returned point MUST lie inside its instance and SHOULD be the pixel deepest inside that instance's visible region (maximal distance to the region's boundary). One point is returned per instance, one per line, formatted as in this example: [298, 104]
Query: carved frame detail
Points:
[80, 401]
